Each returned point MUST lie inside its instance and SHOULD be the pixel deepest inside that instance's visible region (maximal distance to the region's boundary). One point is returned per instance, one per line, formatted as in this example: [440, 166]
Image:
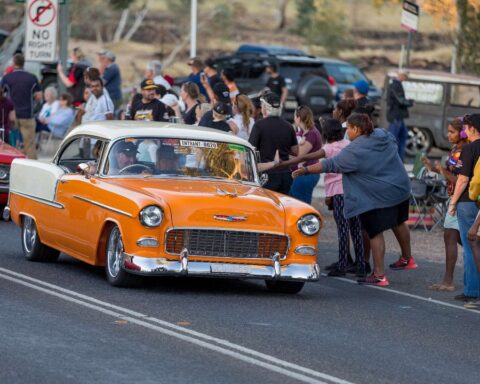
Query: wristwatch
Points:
[305, 168]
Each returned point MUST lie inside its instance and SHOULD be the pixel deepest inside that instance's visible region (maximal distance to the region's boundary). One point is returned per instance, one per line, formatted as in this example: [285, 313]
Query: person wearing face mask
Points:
[376, 191]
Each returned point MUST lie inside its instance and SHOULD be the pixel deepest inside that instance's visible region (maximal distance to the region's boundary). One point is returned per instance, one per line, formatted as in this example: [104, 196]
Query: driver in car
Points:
[125, 155]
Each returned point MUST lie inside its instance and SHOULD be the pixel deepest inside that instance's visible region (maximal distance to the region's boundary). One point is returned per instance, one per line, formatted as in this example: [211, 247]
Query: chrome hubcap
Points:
[417, 141]
[114, 252]
[29, 233]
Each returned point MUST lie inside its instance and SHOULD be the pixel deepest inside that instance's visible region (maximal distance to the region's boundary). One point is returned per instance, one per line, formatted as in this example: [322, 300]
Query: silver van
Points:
[439, 98]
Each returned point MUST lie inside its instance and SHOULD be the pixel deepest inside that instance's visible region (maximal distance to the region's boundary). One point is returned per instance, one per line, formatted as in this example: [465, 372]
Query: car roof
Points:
[438, 76]
[117, 129]
[270, 49]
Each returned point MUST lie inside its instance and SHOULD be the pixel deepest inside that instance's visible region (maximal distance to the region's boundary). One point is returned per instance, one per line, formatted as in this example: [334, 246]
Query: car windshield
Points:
[343, 73]
[167, 157]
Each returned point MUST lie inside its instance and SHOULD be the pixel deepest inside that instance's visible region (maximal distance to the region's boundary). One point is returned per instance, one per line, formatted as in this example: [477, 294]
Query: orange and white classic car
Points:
[143, 198]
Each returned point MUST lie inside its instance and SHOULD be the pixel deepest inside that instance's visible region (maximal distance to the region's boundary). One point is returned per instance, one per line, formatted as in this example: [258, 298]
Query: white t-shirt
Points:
[97, 109]
[243, 131]
[49, 109]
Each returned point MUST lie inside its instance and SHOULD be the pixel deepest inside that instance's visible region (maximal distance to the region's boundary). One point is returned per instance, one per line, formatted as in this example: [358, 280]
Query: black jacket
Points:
[397, 104]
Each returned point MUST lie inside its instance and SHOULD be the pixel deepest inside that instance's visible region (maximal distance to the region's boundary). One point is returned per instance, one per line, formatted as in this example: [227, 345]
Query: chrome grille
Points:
[224, 243]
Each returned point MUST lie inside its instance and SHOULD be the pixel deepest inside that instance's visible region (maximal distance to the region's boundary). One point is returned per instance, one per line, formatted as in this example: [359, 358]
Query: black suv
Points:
[306, 78]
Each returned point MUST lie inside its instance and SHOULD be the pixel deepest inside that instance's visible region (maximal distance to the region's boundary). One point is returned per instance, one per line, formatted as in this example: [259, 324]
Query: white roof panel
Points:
[116, 129]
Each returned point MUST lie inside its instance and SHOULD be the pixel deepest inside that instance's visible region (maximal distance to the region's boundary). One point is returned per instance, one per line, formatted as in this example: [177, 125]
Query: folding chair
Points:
[419, 200]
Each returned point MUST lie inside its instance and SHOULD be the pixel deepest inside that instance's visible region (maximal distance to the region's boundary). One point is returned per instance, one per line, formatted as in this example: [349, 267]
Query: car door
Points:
[81, 221]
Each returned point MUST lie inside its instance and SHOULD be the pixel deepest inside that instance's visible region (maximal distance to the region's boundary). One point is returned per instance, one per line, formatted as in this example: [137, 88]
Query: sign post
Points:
[41, 20]
[409, 21]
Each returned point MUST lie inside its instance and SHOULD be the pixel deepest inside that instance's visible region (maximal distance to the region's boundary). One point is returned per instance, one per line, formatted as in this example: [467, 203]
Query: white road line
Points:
[180, 332]
[411, 295]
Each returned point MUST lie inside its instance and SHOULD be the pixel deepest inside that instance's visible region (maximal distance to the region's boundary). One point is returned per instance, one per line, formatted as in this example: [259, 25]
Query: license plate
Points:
[229, 268]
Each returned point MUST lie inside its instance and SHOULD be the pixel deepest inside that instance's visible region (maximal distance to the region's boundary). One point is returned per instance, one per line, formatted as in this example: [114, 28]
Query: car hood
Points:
[212, 203]
[8, 153]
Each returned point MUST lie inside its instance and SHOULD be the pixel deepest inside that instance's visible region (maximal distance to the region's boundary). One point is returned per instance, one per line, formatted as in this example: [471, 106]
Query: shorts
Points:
[451, 222]
[379, 220]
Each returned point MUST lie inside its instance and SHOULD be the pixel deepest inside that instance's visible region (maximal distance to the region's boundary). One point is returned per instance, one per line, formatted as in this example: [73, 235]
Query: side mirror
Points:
[84, 169]
[263, 179]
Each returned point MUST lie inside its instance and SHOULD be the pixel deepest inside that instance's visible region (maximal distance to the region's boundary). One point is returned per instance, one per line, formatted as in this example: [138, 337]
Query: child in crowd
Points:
[333, 135]
[451, 234]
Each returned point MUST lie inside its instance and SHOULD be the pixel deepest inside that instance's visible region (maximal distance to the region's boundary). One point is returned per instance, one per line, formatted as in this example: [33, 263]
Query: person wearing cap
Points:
[75, 80]
[122, 155]
[220, 93]
[360, 92]
[99, 106]
[276, 83]
[397, 111]
[111, 77]
[154, 72]
[270, 134]
[148, 108]
[196, 66]
[220, 113]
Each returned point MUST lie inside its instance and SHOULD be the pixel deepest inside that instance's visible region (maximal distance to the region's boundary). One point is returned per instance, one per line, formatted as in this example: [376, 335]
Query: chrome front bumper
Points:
[161, 266]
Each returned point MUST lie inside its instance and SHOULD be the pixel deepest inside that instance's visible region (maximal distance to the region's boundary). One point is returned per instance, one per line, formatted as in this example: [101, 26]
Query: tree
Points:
[322, 22]
[281, 14]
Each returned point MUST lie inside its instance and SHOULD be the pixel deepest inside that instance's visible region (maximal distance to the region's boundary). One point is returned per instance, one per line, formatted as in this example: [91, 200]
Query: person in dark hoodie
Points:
[397, 111]
[377, 191]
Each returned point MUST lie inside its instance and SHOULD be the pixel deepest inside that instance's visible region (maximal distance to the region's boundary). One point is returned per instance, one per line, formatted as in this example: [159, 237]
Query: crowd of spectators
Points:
[367, 196]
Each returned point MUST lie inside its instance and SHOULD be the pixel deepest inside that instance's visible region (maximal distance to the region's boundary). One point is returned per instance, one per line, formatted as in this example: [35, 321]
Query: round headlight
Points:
[3, 173]
[309, 225]
[151, 216]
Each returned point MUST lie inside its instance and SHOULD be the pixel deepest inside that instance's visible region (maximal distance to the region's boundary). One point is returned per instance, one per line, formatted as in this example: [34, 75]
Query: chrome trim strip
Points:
[4, 188]
[103, 206]
[39, 200]
[231, 230]
[161, 266]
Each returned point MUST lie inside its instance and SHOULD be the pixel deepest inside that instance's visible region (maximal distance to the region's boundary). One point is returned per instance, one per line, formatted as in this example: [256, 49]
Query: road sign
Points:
[410, 13]
[41, 30]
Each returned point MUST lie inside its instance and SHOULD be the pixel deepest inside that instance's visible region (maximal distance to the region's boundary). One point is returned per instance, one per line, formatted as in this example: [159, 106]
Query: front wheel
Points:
[284, 286]
[116, 275]
[418, 140]
[33, 249]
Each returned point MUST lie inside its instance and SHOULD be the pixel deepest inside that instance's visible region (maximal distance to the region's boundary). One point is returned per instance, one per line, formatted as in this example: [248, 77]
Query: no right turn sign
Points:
[41, 30]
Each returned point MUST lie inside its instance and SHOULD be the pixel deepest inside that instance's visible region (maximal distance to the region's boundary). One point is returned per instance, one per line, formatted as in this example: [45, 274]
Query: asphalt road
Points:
[62, 323]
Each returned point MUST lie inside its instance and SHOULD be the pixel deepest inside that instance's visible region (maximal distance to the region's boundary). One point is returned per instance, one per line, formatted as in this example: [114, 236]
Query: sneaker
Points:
[463, 297]
[351, 268]
[331, 266]
[379, 281]
[402, 263]
[337, 272]
[473, 305]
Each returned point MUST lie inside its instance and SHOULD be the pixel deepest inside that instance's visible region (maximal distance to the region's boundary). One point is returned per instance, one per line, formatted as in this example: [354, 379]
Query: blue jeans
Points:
[398, 129]
[467, 213]
[302, 187]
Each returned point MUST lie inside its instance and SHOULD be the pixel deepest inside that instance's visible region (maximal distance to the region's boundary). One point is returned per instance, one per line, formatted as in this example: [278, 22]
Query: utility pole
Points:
[64, 35]
[193, 28]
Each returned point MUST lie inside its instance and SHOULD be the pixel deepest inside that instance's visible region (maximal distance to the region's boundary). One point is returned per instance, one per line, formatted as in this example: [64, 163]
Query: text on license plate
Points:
[229, 268]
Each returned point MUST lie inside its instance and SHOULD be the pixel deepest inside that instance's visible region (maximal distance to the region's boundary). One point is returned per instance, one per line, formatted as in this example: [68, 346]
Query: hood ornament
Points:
[222, 192]
[230, 218]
